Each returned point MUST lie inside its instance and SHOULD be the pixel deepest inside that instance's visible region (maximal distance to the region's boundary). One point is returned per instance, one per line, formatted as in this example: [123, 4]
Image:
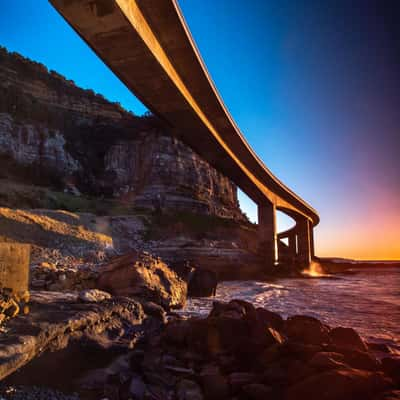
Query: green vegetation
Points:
[65, 201]
[164, 225]
[16, 195]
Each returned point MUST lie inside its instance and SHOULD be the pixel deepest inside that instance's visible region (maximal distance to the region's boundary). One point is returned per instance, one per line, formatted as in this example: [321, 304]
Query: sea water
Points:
[367, 300]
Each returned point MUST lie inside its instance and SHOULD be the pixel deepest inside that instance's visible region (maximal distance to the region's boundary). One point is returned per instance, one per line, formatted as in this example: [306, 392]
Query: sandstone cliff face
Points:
[54, 133]
[162, 171]
[27, 144]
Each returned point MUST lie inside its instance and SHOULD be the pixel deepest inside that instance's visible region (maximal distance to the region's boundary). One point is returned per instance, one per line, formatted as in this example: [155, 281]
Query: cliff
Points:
[123, 182]
[54, 134]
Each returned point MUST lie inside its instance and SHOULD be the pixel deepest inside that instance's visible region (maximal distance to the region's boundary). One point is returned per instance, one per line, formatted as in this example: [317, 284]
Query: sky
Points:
[315, 89]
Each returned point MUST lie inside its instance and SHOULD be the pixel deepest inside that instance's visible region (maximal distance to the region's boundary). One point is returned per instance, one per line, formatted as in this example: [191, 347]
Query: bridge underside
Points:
[147, 44]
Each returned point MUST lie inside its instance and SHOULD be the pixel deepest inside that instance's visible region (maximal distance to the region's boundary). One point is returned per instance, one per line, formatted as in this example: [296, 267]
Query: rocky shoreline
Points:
[237, 352]
[130, 344]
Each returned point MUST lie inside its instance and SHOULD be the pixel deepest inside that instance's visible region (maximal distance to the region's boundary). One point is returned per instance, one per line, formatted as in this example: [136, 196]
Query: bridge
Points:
[148, 45]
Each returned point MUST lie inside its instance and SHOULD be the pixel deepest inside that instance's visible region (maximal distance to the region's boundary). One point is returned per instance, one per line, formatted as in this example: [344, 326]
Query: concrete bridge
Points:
[147, 44]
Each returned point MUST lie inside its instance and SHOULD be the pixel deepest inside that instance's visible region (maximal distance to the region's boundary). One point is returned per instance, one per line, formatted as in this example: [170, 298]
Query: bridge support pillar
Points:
[292, 245]
[304, 242]
[312, 248]
[267, 232]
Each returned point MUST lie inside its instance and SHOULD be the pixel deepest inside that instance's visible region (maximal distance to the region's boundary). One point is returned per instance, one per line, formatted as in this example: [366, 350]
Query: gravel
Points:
[34, 393]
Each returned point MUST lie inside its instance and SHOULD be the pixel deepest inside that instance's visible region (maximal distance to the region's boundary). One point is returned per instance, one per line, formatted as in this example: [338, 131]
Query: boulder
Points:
[298, 371]
[343, 384]
[183, 269]
[202, 283]
[271, 337]
[157, 392]
[227, 310]
[237, 309]
[154, 310]
[204, 336]
[275, 374]
[137, 387]
[327, 360]
[176, 333]
[301, 351]
[244, 340]
[256, 391]
[361, 360]
[269, 355]
[239, 379]
[228, 363]
[140, 275]
[391, 367]
[389, 395]
[230, 328]
[306, 330]
[188, 390]
[215, 386]
[269, 318]
[347, 338]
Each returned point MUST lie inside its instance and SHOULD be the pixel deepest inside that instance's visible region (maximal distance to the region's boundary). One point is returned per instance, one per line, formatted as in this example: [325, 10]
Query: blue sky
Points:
[314, 89]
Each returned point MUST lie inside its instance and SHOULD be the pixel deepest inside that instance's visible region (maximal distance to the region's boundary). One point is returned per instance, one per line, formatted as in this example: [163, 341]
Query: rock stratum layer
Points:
[55, 134]
[56, 319]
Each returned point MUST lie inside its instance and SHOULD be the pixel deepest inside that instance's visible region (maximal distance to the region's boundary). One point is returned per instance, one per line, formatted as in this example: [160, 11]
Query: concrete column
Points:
[292, 244]
[267, 232]
[304, 242]
[312, 248]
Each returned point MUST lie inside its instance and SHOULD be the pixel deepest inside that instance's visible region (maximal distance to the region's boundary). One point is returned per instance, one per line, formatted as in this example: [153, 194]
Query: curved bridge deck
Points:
[147, 44]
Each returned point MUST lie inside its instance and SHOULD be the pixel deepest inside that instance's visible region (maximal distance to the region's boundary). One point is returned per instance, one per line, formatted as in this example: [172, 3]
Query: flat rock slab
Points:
[57, 318]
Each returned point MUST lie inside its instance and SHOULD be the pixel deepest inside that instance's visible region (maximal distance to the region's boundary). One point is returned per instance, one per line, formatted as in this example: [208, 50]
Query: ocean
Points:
[367, 300]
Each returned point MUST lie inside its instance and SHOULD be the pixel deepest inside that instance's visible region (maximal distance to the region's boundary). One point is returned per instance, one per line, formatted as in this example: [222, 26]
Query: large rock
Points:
[301, 351]
[391, 366]
[327, 360]
[137, 387]
[390, 395]
[343, 384]
[183, 268]
[347, 338]
[215, 385]
[239, 379]
[189, 390]
[202, 283]
[257, 391]
[361, 359]
[236, 309]
[231, 328]
[140, 275]
[269, 318]
[306, 330]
